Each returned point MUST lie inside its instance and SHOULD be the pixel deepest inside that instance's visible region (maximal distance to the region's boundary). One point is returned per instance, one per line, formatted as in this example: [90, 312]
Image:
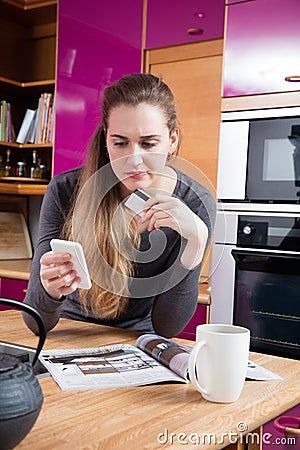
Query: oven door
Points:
[273, 169]
[267, 300]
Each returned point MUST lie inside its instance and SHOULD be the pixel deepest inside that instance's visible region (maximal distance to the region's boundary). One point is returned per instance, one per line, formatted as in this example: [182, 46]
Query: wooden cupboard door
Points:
[194, 73]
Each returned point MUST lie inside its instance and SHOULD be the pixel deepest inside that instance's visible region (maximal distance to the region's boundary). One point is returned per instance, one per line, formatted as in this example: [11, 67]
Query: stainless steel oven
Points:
[259, 156]
[256, 278]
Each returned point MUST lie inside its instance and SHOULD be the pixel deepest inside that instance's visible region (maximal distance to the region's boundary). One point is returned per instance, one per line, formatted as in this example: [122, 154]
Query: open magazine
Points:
[154, 359]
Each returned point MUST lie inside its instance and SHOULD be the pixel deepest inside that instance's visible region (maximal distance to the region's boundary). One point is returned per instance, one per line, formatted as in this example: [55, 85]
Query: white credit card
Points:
[77, 258]
[136, 201]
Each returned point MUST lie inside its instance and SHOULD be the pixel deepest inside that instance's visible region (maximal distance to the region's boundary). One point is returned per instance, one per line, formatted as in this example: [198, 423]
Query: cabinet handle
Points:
[293, 78]
[285, 425]
[194, 31]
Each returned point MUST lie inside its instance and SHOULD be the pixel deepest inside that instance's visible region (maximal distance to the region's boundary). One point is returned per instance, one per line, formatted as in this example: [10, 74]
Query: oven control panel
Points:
[273, 232]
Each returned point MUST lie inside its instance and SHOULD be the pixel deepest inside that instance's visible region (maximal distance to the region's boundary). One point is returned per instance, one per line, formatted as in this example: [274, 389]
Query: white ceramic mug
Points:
[218, 362]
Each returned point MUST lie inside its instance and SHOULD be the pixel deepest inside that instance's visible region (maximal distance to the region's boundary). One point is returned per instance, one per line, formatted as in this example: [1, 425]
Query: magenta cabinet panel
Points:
[98, 42]
[280, 440]
[169, 20]
[198, 318]
[261, 47]
[230, 2]
[13, 289]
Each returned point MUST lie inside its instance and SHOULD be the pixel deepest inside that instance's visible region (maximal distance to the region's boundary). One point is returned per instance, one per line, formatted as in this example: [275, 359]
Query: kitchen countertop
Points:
[134, 417]
[18, 269]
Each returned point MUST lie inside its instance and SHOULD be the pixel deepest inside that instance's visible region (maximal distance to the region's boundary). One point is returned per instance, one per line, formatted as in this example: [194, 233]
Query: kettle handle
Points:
[38, 318]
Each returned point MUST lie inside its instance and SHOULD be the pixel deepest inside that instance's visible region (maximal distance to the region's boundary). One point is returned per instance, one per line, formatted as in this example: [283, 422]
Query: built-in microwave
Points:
[259, 156]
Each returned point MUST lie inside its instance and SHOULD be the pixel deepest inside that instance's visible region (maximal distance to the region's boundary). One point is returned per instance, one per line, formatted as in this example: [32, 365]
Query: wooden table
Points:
[134, 418]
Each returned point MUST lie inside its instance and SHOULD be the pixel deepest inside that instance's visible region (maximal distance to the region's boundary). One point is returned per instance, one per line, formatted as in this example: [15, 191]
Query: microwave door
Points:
[232, 165]
[274, 160]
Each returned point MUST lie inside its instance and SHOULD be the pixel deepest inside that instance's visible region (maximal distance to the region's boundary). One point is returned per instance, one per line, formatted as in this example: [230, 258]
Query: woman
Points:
[144, 268]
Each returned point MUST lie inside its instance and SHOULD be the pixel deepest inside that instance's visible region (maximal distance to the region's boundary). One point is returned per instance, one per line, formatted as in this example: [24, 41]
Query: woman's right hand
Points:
[57, 274]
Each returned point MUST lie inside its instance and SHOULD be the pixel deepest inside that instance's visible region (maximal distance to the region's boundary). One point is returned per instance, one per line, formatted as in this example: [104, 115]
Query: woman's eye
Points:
[120, 144]
[148, 145]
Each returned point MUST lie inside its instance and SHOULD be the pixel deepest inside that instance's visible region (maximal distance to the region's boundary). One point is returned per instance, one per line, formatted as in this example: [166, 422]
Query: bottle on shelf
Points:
[34, 168]
[8, 169]
[21, 169]
[42, 169]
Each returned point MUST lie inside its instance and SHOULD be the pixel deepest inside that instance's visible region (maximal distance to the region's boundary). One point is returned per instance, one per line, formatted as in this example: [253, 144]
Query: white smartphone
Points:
[136, 201]
[76, 251]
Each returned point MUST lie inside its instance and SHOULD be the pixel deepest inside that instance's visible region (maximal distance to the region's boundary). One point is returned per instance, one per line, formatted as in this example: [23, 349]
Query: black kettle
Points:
[21, 396]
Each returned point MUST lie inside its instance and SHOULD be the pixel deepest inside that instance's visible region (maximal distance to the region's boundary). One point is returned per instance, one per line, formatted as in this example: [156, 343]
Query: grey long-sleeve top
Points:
[170, 290]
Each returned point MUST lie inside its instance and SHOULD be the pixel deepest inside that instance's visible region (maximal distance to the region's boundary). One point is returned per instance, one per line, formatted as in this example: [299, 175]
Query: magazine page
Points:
[171, 354]
[175, 356]
[119, 365]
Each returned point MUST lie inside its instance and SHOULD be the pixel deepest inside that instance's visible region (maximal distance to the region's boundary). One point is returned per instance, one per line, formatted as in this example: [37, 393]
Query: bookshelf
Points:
[28, 30]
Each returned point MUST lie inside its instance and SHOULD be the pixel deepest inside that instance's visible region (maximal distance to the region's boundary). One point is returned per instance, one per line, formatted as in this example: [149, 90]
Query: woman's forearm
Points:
[193, 252]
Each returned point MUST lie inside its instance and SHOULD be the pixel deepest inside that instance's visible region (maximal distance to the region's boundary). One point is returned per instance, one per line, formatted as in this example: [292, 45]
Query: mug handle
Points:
[192, 367]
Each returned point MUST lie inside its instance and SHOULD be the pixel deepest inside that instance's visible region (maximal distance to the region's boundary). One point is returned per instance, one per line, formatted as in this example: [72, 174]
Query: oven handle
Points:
[239, 255]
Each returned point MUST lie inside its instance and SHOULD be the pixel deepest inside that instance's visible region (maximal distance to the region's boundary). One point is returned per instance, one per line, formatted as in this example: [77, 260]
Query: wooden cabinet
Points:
[27, 69]
[281, 439]
[261, 48]
[194, 73]
[172, 22]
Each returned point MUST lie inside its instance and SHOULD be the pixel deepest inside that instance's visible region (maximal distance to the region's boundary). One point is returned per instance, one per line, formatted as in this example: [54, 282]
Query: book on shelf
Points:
[154, 359]
[44, 119]
[6, 131]
[28, 124]
[31, 132]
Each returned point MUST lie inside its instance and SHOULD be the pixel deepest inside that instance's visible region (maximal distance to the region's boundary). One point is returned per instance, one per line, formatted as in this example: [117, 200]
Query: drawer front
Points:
[13, 289]
[189, 332]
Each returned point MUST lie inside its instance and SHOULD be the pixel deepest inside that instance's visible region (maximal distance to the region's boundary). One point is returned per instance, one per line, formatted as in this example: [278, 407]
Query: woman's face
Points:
[138, 143]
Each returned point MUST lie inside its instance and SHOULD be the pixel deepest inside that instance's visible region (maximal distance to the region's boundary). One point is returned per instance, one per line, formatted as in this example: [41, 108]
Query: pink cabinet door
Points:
[168, 21]
[198, 318]
[12, 289]
[274, 434]
[261, 47]
[98, 42]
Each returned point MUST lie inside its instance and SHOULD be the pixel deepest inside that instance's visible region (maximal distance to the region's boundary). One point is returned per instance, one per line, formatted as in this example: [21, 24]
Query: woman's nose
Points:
[136, 156]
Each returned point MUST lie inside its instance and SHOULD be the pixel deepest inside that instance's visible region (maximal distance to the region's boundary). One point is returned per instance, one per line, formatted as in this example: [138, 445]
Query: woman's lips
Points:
[136, 175]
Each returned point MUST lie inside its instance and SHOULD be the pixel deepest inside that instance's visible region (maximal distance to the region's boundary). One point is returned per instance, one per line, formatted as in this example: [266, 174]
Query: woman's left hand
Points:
[168, 211]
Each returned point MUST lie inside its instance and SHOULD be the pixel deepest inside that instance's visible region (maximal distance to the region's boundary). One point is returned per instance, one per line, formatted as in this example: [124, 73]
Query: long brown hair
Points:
[92, 219]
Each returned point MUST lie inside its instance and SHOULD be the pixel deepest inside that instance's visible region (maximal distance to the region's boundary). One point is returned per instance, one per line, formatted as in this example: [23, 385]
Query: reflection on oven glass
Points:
[278, 165]
[267, 301]
[295, 141]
